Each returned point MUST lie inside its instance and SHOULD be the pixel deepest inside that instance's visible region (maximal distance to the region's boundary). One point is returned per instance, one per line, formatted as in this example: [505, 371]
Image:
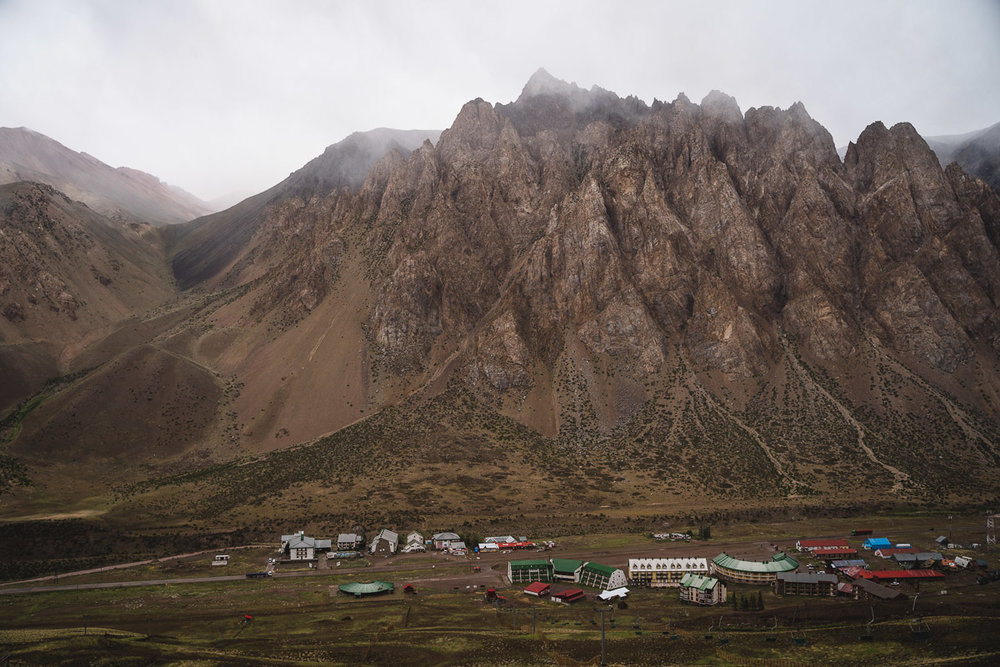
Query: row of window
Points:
[673, 566]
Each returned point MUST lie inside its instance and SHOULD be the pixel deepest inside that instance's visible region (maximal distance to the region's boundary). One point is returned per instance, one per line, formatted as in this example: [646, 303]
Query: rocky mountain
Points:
[124, 194]
[581, 299]
[68, 277]
[210, 244]
[978, 153]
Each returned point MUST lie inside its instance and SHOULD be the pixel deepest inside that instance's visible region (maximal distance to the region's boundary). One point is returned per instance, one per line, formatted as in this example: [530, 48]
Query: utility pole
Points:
[991, 530]
[604, 654]
[534, 613]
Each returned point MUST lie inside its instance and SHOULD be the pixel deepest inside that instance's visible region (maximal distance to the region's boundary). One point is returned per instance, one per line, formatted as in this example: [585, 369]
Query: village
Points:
[820, 590]
[859, 566]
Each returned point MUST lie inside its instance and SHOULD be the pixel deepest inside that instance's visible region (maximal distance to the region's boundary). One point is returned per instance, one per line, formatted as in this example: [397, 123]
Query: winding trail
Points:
[898, 475]
[694, 387]
[958, 415]
[752, 432]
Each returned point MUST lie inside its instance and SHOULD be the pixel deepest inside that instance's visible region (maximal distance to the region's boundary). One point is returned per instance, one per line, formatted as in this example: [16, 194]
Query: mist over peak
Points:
[543, 83]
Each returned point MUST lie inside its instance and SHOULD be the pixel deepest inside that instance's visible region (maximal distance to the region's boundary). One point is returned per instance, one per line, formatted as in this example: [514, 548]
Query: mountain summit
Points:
[543, 83]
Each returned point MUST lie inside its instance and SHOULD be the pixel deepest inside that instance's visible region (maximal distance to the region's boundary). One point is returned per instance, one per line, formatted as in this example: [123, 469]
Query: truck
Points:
[861, 531]
[259, 575]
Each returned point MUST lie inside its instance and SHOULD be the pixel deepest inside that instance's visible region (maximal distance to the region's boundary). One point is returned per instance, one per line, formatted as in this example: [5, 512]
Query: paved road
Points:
[115, 584]
[145, 582]
[123, 566]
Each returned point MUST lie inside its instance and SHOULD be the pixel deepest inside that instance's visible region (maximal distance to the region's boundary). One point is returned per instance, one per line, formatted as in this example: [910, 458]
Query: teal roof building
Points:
[751, 571]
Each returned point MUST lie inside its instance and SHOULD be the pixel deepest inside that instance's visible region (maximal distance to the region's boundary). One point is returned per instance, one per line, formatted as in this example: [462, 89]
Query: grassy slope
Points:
[452, 455]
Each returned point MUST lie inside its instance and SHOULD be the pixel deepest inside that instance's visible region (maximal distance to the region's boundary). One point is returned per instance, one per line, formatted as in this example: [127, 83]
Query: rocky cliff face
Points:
[629, 229]
[689, 297]
[593, 266]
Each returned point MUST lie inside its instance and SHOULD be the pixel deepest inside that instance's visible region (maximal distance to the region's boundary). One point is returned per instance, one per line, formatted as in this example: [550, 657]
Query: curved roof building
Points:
[752, 571]
[358, 589]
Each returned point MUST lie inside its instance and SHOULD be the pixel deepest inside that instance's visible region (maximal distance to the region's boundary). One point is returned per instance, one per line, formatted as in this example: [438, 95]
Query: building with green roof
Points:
[702, 590]
[358, 589]
[566, 569]
[603, 577]
[751, 571]
[527, 571]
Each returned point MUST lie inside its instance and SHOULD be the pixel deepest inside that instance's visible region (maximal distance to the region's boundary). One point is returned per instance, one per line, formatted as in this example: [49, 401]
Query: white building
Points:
[299, 547]
[702, 590]
[613, 594]
[602, 576]
[662, 572]
[444, 541]
[414, 543]
[349, 541]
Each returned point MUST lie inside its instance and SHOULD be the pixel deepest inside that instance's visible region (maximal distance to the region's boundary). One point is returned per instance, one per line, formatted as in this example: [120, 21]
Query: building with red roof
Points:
[515, 545]
[812, 545]
[569, 595]
[834, 553]
[903, 574]
[538, 588]
[855, 571]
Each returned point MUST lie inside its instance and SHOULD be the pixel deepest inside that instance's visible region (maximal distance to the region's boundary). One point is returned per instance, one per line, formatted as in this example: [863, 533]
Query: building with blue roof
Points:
[877, 543]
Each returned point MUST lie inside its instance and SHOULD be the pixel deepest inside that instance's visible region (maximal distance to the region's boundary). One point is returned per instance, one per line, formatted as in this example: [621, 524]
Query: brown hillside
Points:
[68, 276]
[123, 194]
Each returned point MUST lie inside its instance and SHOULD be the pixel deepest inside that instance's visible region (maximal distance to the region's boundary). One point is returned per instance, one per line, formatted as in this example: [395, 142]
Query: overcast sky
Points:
[232, 95]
